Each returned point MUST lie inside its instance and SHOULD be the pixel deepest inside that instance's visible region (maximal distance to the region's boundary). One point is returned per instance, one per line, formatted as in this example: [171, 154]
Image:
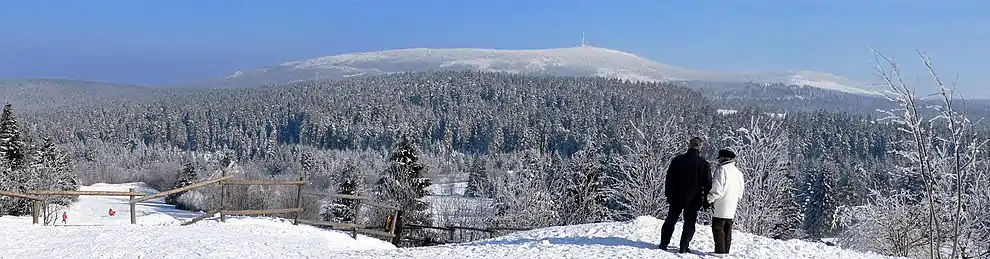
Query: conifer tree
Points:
[15, 176]
[479, 183]
[6, 184]
[403, 184]
[186, 177]
[11, 142]
[342, 210]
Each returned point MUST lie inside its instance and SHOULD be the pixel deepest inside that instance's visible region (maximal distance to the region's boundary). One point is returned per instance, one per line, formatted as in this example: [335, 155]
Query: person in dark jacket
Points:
[689, 179]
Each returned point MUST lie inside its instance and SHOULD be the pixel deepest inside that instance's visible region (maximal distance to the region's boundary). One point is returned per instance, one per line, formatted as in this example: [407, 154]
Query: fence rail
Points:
[452, 230]
[86, 193]
[261, 212]
[21, 195]
[201, 217]
[335, 195]
[393, 225]
[182, 189]
[297, 211]
[38, 197]
[256, 182]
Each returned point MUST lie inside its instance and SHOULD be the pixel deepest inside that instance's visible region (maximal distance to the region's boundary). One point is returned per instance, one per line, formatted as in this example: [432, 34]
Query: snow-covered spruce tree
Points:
[17, 177]
[12, 146]
[403, 185]
[6, 184]
[585, 196]
[187, 176]
[479, 182]
[817, 198]
[342, 210]
[636, 185]
[768, 207]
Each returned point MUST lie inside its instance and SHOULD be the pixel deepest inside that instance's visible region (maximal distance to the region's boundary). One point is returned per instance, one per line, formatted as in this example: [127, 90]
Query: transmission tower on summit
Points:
[583, 42]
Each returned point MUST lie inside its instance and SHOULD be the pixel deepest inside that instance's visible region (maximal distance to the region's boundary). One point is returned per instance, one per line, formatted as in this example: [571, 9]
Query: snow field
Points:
[244, 238]
[158, 236]
[634, 239]
[92, 233]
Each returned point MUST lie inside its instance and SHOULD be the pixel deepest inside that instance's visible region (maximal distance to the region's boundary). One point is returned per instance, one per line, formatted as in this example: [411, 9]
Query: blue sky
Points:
[165, 42]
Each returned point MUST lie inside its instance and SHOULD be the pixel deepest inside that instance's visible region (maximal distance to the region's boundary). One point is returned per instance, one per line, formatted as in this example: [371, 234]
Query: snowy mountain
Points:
[575, 61]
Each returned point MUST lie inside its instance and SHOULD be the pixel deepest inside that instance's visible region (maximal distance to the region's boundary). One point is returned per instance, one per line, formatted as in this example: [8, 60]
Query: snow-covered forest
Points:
[534, 151]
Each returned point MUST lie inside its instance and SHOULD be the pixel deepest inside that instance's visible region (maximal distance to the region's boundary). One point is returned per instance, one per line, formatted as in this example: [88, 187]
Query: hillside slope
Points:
[634, 239]
[576, 61]
[94, 234]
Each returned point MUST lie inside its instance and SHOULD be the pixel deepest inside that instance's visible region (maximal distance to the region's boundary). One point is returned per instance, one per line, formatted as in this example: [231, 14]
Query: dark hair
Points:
[726, 154]
[696, 142]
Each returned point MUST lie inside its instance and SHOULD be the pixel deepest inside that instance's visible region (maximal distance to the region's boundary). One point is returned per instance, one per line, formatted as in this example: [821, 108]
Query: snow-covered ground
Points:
[634, 239]
[92, 233]
[158, 235]
[447, 189]
[451, 208]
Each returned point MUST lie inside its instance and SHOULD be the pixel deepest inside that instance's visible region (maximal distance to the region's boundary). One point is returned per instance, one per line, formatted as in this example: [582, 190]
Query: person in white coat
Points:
[728, 186]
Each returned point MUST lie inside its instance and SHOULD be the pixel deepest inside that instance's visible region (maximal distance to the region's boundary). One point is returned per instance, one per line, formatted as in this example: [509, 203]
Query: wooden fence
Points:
[41, 196]
[452, 231]
[393, 225]
[295, 211]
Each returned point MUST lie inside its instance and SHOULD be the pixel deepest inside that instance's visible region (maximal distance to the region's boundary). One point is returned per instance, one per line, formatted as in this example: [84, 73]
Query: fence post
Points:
[34, 212]
[133, 215]
[356, 214]
[397, 229]
[298, 201]
[223, 194]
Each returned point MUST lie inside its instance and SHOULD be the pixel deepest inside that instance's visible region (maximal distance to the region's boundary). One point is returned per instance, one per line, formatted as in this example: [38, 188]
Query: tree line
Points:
[30, 163]
[534, 151]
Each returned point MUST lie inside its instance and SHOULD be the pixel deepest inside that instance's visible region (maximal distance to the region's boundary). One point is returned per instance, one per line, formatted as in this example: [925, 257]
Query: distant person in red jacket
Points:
[64, 217]
[112, 213]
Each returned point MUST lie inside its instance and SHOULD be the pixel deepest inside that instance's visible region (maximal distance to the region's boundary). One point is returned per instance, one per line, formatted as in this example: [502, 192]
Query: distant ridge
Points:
[582, 60]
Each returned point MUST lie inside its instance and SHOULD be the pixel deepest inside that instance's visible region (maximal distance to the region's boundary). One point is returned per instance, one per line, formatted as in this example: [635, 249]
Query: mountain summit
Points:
[575, 61]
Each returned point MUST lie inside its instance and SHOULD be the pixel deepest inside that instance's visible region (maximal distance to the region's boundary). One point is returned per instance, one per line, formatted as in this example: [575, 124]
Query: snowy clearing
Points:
[92, 233]
[250, 238]
[448, 189]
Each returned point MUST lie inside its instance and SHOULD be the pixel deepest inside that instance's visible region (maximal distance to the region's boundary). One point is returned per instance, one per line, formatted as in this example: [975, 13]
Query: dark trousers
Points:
[722, 231]
[690, 219]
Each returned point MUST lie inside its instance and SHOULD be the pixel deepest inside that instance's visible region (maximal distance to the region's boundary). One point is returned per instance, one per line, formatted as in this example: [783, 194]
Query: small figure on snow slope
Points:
[689, 179]
[727, 188]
